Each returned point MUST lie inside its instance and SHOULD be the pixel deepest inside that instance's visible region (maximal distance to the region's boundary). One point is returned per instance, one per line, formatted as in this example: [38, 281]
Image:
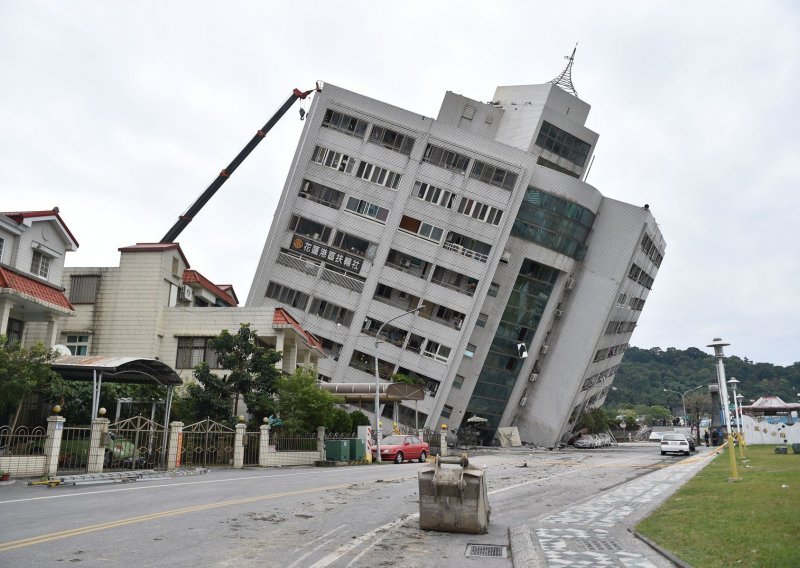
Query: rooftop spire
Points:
[564, 80]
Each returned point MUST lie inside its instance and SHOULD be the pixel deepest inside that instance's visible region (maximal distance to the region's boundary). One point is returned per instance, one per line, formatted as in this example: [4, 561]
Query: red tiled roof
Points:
[33, 288]
[228, 289]
[282, 317]
[194, 277]
[20, 216]
[155, 247]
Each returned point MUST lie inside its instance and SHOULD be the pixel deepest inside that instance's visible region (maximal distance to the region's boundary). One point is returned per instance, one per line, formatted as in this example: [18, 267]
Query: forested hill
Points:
[644, 373]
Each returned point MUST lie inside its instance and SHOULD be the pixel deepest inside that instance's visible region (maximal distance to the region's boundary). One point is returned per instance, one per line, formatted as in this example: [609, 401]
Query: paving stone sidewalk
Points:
[596, 531]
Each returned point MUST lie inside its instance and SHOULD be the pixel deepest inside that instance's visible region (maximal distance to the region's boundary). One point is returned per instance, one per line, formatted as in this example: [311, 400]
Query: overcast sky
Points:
[122, 113]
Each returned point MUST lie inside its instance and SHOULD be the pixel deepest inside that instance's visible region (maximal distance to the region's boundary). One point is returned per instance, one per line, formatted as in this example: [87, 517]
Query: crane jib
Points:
[195, 208]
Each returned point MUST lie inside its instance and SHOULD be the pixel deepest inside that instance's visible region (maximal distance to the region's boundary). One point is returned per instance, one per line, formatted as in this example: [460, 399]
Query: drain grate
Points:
[601, 544]
[487, 550]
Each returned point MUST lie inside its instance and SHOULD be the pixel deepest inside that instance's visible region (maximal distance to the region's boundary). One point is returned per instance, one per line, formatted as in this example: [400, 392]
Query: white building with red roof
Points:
[33, 245]
[155, 305]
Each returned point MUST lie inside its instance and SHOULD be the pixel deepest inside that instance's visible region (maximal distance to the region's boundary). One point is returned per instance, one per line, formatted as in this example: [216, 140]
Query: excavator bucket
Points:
[453, 499]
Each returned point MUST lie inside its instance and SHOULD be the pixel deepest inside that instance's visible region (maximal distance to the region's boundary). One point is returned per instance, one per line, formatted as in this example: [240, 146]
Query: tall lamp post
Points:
[683, 397]
[378, 433]
[718, 344]
[733, 381]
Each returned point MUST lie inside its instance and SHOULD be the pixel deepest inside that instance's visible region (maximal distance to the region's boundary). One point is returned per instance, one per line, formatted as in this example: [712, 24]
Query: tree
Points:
[340, 422]
[209, 397]
[23, 373]
[302, 405]
[358, 418]
[252, 368]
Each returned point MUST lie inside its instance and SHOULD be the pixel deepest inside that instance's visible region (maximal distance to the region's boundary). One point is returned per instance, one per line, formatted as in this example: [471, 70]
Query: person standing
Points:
[705, 435]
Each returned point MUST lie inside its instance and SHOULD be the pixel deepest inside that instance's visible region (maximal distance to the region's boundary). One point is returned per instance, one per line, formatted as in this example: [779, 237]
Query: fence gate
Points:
[73, 455]
[206, 443]
[135, 443]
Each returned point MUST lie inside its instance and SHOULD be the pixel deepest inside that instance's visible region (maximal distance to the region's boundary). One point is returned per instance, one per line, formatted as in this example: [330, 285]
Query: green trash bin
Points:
[337, 450]
[358, 448]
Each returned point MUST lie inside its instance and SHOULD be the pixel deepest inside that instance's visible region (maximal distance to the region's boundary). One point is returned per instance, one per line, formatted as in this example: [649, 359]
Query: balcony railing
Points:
[469, 253]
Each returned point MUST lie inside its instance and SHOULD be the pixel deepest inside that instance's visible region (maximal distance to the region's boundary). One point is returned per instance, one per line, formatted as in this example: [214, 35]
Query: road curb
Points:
[663, 552]
[525, 549]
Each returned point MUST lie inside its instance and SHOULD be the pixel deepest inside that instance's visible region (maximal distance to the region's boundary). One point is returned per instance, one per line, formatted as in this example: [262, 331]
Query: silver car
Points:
[674, 444]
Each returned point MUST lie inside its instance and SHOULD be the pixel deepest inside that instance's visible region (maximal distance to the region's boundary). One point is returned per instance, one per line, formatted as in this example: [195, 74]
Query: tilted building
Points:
[529, 282]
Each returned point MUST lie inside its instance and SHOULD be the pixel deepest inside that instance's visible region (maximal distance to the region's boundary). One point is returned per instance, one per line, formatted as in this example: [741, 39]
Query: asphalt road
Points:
[296, 517]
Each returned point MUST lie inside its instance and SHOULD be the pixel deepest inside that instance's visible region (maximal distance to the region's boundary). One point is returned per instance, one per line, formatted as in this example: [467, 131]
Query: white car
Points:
[586, 441]
[672, 443]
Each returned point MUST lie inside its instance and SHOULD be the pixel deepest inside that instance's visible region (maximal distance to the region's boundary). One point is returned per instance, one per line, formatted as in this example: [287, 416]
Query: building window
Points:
[323, 194]
[458, 382]
[392, 140]
[194, 350]
[78, 344]
[553, 222]
[468, 112]
[83, 288]
[334, 160]
[424, 230]
[445, 158]
[481, 321]
[376, 174]
[480, 211]
[447, 411]
[437, 351]
[14, 331]
[2, 246]
[493, 175]
[287, 295]
[309, 228]
[563, 144]
[355, 245]
[367, 209]
[175, 266]
[344, 123]
[470, 350]
[40, 265]
[467, 246]
[331, 311]
[434, 195]
[493, 290]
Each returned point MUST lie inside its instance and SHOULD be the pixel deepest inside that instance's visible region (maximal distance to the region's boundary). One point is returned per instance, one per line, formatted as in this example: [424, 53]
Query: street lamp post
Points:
[378, 433]
[683, 397]
[733, 382]
[718, 344]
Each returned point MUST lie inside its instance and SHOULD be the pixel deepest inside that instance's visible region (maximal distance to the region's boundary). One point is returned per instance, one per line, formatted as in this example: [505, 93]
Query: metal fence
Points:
[252, 443]
[20, 449]
[135, 443]
[292, 449]
[73, 455]
[206, 443]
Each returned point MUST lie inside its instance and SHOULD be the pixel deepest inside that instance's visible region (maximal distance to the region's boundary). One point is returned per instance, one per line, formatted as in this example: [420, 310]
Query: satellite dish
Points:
[62, 349]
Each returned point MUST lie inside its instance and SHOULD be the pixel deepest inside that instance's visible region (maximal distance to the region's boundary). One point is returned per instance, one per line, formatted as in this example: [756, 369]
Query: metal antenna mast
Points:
[564, 80]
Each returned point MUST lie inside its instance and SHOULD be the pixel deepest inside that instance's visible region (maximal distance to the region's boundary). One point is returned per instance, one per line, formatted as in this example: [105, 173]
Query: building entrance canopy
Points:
[131, 370]
[387, 392]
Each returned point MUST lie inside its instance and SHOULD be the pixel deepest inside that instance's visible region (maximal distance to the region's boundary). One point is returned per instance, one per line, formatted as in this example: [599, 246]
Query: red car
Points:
[402, 448]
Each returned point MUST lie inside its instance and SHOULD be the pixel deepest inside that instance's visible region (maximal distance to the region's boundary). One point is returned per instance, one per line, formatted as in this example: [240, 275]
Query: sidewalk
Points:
[598, 531]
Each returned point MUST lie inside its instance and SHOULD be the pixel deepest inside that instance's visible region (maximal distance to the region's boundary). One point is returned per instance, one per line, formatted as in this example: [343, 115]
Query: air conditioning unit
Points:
[367, 323]
[523, 401]
[187, 293]
[570, 284]
[533, 376]
[405, 263]
[558, 313]
[544, 349]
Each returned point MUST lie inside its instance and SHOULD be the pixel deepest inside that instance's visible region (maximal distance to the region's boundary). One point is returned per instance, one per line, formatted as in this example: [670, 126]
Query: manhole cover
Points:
[487, 550]
[600, 544]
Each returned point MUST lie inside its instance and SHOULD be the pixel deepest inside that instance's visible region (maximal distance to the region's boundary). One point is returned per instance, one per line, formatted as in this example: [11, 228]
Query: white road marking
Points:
[345, 548]
[311, 551]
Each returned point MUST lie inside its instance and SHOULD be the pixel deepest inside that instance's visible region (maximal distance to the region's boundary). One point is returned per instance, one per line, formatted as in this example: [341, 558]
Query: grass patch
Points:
[710, 522]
